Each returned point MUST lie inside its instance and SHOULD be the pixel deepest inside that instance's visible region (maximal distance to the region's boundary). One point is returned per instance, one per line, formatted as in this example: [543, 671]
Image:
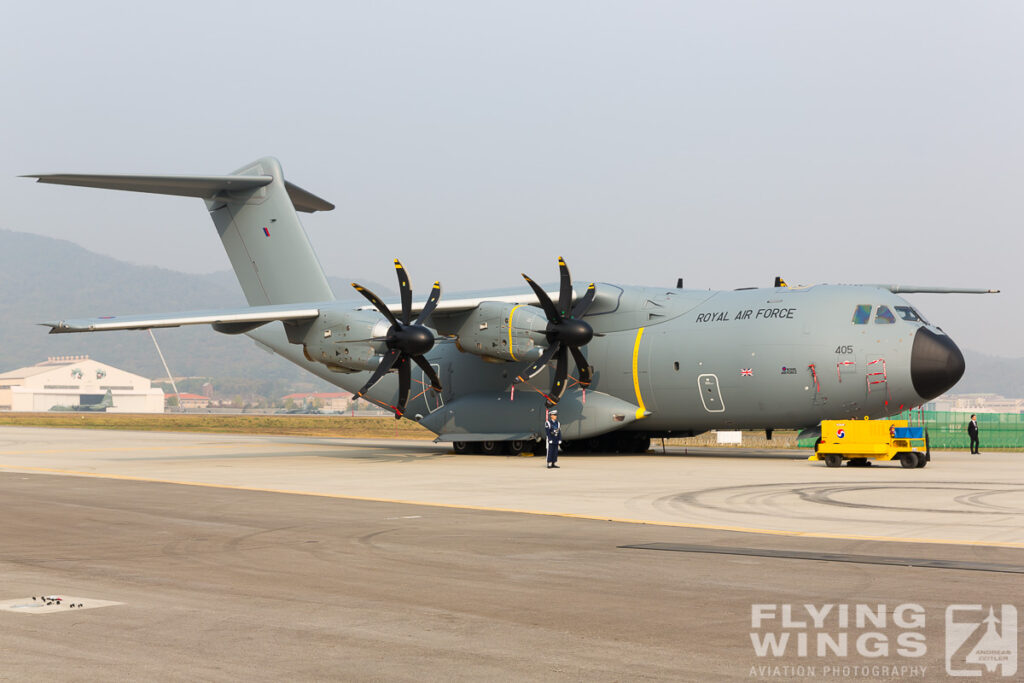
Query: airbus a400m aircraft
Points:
[481, 372]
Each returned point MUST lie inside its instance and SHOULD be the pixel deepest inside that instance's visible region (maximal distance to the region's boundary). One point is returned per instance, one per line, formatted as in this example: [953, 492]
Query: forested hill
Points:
[43, 279]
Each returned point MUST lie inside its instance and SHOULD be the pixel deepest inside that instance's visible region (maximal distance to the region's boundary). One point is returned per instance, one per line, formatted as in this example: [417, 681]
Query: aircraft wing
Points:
[231, 321]
[914, 289]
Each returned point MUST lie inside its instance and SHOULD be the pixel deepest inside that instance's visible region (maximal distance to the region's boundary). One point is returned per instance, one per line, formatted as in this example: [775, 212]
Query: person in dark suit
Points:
[972, 431]
[553, 431]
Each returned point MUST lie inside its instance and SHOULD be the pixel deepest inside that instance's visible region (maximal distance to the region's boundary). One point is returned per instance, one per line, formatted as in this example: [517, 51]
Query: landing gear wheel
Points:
[460, 447]
[516, 447]
[490, 447]
[833, 460]
[540, 448]
[908, 460]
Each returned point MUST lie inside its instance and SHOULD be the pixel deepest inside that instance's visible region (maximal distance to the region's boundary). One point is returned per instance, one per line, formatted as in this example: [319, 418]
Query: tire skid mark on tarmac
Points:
[968, 499]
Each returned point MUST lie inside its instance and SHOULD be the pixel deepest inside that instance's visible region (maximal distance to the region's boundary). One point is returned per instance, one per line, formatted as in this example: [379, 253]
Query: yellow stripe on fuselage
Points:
[512, 313]
[636, 375]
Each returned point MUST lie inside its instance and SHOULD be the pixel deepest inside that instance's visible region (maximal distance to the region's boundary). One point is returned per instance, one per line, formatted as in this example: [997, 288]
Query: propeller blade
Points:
[428, 370]
[428, 308]
[561, 372]
[404, 380]
[385, 365]
[377, 303]
[406, 291]
[586, 372]
[564, 288]
[539, 364]
[583, 305]
[545, 301]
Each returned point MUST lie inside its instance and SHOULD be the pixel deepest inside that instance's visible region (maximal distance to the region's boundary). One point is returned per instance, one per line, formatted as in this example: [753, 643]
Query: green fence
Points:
[947, 429]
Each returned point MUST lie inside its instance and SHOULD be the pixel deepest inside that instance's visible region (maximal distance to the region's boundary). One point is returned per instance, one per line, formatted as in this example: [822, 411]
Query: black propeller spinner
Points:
[406, 340]
[566, 332]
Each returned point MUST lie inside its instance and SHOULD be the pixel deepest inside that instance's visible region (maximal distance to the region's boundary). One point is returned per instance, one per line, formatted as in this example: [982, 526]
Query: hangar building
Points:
[77, 381]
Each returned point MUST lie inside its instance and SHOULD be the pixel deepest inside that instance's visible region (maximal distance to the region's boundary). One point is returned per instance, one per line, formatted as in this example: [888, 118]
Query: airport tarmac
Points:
[223, 557]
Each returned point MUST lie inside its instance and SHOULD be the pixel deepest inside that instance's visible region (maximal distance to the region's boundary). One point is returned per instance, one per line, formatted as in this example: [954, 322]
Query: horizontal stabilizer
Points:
[204, 187]
[242, 319]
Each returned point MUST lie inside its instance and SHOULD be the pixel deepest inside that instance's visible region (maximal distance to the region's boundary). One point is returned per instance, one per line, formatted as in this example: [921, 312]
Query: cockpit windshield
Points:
[861, 314]
[909, 314]
[883, 316]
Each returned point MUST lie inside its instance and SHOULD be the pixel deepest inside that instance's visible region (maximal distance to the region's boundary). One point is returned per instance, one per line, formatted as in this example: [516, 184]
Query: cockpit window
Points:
[909, 314]
[862, 314]
[884, 316]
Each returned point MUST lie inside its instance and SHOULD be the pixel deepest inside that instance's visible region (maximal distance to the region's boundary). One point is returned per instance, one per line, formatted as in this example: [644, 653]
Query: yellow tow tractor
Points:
[860, 441]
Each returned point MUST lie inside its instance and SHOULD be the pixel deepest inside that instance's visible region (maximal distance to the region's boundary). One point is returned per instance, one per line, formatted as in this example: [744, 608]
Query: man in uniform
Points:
[972, 431]
[553, 431]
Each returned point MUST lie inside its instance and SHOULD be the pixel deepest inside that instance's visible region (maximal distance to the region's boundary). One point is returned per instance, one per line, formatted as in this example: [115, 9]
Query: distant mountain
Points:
[44, 279]
[992, 375]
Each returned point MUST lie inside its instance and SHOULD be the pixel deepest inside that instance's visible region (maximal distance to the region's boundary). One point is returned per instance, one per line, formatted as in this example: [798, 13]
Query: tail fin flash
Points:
[254, 210]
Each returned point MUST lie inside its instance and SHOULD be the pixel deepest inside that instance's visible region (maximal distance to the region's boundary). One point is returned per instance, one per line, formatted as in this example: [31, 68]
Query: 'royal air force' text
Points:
[749, 314]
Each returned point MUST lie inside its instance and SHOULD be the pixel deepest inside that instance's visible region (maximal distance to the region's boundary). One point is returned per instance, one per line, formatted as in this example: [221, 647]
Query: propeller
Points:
[406, 340]
[566, 333]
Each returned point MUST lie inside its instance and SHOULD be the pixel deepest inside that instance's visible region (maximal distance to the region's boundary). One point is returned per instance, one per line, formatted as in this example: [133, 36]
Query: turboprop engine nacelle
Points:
[344, 342]
[502, 331]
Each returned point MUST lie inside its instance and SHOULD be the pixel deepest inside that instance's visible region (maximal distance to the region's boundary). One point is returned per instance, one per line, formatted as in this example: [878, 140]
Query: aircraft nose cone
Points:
[936, 364]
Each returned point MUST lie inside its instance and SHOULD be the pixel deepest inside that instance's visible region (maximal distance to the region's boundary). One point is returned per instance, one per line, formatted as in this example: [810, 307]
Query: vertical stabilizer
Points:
[267, 246]
[254, 211]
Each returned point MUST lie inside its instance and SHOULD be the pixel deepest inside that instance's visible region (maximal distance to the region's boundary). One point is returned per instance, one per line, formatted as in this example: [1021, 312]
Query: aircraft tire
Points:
[908, 460]
[460, 447]
[490, 447]
[517, 446]
[833, 460]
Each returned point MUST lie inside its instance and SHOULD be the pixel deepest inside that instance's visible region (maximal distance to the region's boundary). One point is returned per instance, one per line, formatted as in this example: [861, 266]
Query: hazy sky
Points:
[724, 143]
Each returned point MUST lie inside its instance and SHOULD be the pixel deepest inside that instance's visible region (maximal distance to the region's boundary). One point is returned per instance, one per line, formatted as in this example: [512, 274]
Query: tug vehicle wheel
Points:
[833, 460]
[908, 460]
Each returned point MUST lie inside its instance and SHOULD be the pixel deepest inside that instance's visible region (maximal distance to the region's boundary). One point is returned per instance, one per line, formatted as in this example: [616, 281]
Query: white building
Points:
[74, 381]
[978, 403]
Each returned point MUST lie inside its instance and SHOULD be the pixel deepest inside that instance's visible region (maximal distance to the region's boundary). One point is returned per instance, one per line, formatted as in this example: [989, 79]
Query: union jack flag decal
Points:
[747, 372]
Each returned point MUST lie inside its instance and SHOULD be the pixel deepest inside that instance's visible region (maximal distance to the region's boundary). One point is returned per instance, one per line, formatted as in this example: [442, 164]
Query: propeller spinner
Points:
[566, 333]
[406, 340]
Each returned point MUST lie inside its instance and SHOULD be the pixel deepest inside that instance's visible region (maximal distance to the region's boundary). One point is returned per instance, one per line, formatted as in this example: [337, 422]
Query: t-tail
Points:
[254, 210]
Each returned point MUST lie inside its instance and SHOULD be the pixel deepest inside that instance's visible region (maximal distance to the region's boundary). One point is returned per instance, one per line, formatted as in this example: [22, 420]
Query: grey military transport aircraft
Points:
[482, 371]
